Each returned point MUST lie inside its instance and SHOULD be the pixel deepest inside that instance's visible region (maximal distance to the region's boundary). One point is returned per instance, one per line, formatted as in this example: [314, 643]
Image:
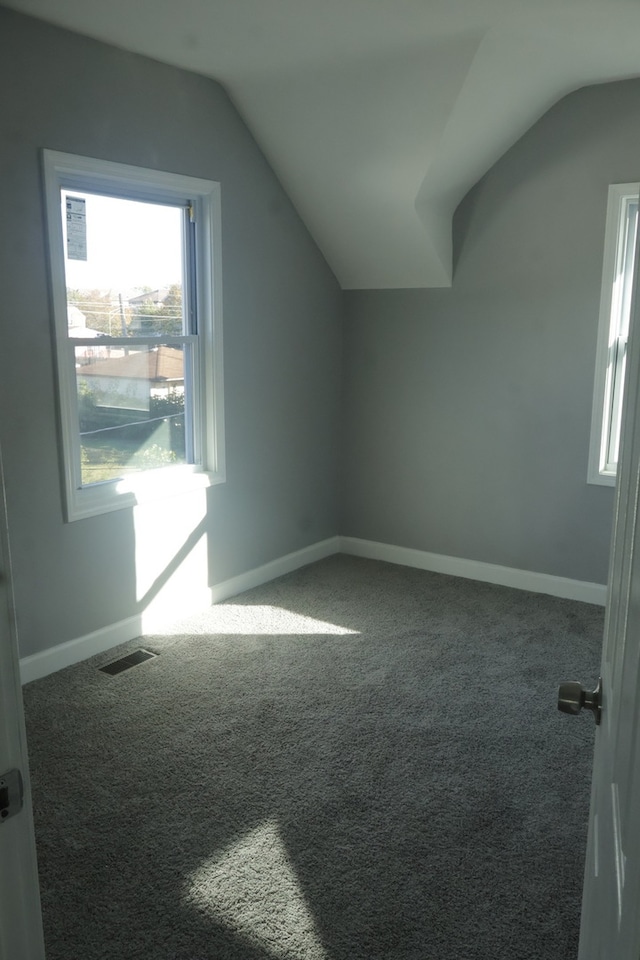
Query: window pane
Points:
[124, 278]
[617, 394]
[131, 408]
[619, 333]
[123, 266]
[627, 265]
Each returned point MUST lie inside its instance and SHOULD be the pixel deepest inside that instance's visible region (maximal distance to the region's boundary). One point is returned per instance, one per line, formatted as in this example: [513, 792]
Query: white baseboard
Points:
[275, 568]
[73, 651]
[477, 570]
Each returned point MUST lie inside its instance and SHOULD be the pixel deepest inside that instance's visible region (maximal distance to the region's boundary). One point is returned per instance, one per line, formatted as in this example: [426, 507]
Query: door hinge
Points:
[11, 794]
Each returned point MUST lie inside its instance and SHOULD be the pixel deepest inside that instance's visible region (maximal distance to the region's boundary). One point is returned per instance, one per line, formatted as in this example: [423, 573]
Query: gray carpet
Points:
[357, 761]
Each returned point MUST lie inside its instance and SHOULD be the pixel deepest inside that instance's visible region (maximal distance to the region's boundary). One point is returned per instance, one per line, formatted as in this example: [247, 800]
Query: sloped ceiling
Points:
[377, 115]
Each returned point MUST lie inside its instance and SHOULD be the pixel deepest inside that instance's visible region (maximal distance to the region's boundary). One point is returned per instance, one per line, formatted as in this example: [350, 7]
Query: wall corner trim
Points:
[584, 591]
[275, 568]
[41, 664]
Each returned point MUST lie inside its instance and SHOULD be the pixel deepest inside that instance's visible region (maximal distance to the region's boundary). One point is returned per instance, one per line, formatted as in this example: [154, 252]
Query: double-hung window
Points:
[613, 331]
[135, 278]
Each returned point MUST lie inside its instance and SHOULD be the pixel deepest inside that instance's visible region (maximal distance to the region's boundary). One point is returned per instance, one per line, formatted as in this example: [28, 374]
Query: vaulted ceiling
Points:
[377, 115]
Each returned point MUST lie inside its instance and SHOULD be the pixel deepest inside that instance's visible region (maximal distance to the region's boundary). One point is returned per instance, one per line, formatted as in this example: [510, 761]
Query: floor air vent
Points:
[125, 663]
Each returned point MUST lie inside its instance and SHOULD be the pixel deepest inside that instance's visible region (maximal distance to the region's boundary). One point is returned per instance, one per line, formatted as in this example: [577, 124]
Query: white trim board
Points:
[73, 651]
[478, 570]
[41, 664]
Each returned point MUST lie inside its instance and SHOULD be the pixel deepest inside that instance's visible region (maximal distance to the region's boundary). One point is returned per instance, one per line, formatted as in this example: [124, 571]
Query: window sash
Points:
[613, 415]
[194, 453]
[615, 317]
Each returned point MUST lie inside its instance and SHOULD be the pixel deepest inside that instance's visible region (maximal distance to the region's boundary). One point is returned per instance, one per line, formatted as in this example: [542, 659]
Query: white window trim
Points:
[63, 170]
[619, 194]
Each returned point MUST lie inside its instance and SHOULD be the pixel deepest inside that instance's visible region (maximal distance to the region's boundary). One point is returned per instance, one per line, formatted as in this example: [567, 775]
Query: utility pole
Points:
[123, 322]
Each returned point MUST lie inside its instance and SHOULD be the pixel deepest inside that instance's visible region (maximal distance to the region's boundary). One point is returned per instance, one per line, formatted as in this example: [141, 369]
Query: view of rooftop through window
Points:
[124, 278]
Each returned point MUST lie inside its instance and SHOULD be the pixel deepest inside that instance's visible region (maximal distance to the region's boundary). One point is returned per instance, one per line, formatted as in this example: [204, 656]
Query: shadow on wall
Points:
[578, 125]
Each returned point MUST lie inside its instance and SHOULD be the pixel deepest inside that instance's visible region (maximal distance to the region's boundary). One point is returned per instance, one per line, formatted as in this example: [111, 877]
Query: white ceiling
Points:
[377, 115]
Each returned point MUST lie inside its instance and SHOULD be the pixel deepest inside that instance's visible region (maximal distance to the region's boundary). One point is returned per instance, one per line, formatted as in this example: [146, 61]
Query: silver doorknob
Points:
[572, 697]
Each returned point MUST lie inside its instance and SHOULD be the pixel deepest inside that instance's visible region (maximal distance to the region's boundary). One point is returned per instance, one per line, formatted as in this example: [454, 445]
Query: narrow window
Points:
[613, 331]
[136, 298]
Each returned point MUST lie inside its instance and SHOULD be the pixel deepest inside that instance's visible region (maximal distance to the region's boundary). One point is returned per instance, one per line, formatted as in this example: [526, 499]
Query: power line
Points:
[134, 423]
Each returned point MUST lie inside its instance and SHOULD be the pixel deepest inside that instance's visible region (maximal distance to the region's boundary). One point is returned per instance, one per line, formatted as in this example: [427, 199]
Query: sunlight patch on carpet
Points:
[252, 890]
[260, 620]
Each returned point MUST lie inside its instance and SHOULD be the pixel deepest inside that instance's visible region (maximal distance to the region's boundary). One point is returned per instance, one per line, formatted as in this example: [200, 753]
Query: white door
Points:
[610, 928]
[20, 920]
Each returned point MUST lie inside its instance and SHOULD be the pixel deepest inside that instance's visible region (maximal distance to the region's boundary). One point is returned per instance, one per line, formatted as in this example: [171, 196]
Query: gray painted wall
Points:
[467, 414]
[282, 330]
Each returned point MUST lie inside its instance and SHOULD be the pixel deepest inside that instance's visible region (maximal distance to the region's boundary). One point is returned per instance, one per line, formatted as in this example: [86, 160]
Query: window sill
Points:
[602, 479]
[152, 485]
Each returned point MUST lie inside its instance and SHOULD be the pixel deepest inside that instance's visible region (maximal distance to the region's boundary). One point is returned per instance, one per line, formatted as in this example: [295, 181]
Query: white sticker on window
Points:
[76, 228]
